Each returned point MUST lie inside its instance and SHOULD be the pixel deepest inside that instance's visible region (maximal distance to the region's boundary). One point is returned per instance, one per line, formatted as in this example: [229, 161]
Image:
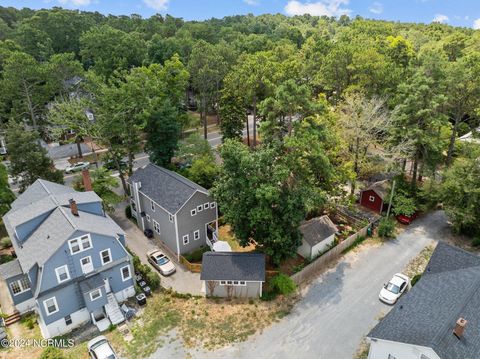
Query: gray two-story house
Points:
[178, 211]
[72, 266]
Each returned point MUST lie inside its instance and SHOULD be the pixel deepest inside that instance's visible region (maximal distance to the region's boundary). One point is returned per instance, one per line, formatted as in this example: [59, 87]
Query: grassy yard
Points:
[197, 321]
[225, 234]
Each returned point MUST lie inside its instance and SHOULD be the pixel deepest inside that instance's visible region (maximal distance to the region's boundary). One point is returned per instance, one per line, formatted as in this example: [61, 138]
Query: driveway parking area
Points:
[182, 280]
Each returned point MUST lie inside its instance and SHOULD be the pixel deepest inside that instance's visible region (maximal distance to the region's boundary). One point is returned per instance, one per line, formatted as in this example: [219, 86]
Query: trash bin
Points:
[142, 284]
[141, 299]
[147, 291]
[369, 231]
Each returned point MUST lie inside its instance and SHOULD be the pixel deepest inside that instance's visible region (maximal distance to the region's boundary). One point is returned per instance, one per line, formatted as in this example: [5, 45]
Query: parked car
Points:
[99, 348]
[77, 167]
[110, 164]
[148, 233]
[161, 262]
[391, 291]
[403, 219]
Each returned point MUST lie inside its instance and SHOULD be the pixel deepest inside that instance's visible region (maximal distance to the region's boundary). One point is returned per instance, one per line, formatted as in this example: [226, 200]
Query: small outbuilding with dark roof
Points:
[233, 274]
[318, 234]
[375, 197]
[439, 317]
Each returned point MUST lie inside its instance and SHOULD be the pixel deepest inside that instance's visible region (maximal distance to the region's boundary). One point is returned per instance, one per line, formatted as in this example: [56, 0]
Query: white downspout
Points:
[176, 236]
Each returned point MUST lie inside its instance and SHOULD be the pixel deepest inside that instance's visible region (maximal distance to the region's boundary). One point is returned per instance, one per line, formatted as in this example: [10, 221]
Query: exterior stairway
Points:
[113, 310]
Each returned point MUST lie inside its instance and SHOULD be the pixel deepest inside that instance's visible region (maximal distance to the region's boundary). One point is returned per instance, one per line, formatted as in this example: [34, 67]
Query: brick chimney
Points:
[460, 327]
[73, 207]
[87, 182]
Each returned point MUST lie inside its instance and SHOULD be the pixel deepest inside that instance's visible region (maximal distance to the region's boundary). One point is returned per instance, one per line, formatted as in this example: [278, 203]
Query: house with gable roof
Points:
[72, 266]
[180, 213]
[438, 318]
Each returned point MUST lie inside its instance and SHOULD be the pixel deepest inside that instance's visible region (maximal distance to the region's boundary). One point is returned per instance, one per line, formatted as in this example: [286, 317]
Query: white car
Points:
[99, 348]
[77, 167]
[161, 262]
[391, 291]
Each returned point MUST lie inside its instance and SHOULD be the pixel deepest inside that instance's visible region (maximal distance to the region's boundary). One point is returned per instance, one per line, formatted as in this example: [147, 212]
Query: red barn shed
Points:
[375, 197]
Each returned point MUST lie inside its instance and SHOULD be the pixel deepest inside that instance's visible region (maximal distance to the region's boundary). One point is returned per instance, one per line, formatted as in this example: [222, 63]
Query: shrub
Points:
[386, 227]
[51, 353]
[196, 255]
[283, 284]
[415, 279]
[153, 280]
[4, 258]
[476, 242]
[5, 242]
[128, 212]
[268, 296]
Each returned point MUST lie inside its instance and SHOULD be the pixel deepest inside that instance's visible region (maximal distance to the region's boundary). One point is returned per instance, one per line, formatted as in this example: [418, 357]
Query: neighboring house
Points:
[233, 274]
[471, 137]
[72, 266]
[178, 211]
[318, 235]
[439, 317]
[375, 197]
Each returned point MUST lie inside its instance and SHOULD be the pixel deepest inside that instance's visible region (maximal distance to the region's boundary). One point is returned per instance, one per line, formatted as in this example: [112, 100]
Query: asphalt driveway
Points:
[182, 280]
[340, 307]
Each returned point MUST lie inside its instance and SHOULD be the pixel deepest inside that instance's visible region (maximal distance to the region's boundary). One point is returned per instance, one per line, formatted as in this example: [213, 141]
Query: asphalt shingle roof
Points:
[317, 229]
[233, 266]
[426, 316]
[91, 283]
[10, 269]
[50, 200]
[167, 188]
[380, 188]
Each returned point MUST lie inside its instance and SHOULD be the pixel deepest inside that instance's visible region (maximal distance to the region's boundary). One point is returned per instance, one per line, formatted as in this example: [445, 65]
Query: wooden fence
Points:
[192, 267]
[324, 260]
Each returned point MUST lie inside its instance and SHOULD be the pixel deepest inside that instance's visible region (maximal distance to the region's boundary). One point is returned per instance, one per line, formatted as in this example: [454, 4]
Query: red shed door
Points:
[372, 201]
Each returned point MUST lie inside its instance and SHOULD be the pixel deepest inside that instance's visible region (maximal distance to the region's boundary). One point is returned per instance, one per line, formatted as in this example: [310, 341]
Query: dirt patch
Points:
[418, 264]
[225, 234]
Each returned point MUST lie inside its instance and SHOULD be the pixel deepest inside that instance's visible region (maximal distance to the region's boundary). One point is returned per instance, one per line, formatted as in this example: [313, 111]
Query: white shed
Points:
[318, 233]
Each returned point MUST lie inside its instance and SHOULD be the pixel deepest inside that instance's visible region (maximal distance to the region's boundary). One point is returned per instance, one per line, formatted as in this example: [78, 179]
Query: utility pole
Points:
[391, 199]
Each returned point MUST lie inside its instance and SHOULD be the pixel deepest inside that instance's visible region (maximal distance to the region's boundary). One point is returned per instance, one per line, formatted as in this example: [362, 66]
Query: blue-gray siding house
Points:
[72, 266]
[180, 213]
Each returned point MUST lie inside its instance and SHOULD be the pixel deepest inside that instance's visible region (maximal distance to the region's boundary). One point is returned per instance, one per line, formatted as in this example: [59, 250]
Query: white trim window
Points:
[148, 218]
[236, 283]
[186, 239]
[62, 274]
[213, 204]
[80, 244]
[86, 264]
[125, 271]
[371, 198]
[193, 212]
[106, 256]
[196, 235]
[95, 294]
[170, 218]
[206, 205]
[199, 208]
[20, 286]
[152, 206]
[156, 226]
[50, 305]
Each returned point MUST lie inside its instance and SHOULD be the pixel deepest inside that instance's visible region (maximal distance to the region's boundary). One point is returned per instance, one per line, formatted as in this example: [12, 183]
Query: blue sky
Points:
[454, 12]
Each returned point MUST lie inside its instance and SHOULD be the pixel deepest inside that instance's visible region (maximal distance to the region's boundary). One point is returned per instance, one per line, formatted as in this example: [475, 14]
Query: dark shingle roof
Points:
[91, 283]
[427, 315]
[317, 229]
[233, 266]
[168, 189]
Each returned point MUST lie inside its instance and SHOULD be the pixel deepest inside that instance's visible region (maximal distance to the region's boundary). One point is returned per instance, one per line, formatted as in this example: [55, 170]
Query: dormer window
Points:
[80, 244]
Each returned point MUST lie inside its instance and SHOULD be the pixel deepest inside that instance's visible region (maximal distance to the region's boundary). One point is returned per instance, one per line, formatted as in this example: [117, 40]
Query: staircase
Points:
[113, 310]
[13, 318]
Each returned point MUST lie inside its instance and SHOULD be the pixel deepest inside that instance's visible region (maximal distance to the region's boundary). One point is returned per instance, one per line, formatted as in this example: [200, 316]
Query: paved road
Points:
[339, 308]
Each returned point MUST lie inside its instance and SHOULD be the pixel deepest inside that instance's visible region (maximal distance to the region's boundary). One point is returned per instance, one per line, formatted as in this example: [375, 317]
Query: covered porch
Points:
[212, 239]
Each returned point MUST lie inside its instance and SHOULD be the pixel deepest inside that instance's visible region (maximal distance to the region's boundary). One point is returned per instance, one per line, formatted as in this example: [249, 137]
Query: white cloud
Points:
[440, 18]
[319, 8]
[476, 24]
[75, 2]
[159, 5]
[251, 2]
[376, 8]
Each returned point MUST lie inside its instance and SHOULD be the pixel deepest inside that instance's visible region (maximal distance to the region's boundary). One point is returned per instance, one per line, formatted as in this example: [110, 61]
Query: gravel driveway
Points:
[340, 307]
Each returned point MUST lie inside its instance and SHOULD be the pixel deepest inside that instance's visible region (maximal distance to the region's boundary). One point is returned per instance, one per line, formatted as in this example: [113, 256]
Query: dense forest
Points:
[333, 101]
